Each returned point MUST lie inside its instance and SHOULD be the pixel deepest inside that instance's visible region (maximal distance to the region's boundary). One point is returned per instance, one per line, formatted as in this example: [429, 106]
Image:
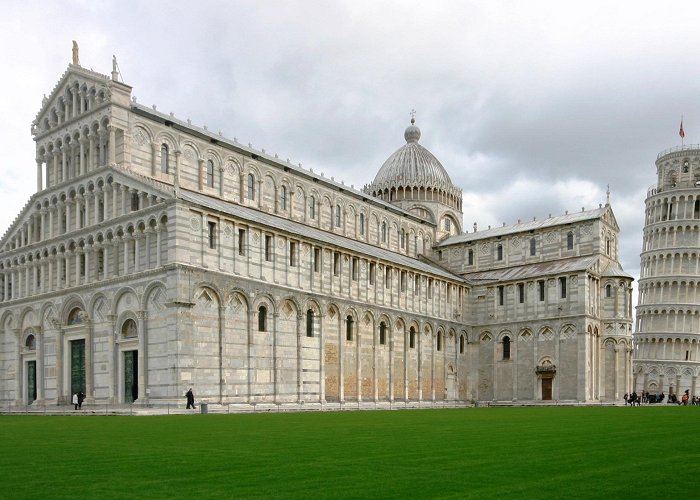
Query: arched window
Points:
[499, 252]
[309, 323]
[251, 187]
[383, 232]
[210, 173]
[362, 224]
[461, 344]
[129, 329]
[506, 347]
[439, 341]
[164, 154]
[348, 328]
[283, 198]
[262, 319]
[533, 246]
[570, 240]
[382, 333]
[30, 343]
[448, 224]
[608, 291]
[312, 207]
[470, 257]
[403, 238]
[412, 338]
[337, 216]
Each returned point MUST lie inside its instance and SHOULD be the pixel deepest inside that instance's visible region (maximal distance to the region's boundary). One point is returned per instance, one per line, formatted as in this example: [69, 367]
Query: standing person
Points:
[81, 398]
[75, 400]
[190, 399]
[626, 396]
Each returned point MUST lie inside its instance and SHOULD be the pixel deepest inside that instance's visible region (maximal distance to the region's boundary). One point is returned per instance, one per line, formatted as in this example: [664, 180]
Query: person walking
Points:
[626, 396]
[81, 398]
[190, 399]
[75, 400]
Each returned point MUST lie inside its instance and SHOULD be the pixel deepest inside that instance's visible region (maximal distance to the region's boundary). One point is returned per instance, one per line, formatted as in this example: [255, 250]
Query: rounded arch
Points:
[119, 294]
[70, 304]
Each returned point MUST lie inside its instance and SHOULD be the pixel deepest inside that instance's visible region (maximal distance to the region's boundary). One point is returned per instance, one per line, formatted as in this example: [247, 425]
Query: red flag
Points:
[681, 132]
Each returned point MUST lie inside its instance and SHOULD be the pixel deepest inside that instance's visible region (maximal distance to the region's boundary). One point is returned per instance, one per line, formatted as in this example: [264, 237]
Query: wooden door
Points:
[546, 389]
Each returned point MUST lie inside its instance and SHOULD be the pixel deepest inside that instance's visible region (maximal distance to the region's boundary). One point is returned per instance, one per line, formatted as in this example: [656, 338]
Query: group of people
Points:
[78, 399]
[636, 399]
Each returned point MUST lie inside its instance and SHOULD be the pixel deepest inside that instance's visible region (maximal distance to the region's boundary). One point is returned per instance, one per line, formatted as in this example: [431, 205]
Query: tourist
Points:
[190, 399]
[81, 398]
[75, 400]
[626, 396]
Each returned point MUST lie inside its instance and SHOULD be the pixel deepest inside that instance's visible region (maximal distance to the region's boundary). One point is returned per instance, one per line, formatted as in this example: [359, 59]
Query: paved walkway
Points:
[214, 408]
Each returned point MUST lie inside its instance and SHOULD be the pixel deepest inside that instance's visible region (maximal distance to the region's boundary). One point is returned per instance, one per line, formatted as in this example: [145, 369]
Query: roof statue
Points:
[76, 56]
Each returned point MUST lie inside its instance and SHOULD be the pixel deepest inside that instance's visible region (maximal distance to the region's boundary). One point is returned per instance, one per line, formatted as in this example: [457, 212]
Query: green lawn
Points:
[647, 452]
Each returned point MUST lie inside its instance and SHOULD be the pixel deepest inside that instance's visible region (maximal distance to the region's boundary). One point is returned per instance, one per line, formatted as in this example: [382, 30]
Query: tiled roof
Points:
[538, 270]
[524, 226]
[292, 227]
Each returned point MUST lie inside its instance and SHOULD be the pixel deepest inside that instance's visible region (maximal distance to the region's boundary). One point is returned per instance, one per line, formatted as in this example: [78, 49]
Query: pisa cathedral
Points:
[157, 256]
[667, 342]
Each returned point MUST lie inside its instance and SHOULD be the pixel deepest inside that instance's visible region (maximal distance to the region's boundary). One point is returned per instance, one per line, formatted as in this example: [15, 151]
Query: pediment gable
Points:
[608, 216]
[89, 88]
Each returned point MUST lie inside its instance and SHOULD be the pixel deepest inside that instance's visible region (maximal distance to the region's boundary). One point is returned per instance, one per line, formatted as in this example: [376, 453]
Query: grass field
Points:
[486, 452]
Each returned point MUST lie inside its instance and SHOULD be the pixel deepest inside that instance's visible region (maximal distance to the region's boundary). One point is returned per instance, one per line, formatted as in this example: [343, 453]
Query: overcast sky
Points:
[532, 107]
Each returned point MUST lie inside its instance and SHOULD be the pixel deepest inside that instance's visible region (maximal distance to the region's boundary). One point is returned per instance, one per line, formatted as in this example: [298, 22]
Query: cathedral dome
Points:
[411, 165]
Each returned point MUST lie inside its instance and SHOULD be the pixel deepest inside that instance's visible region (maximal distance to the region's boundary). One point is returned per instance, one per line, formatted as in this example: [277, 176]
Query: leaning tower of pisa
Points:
[667, 356]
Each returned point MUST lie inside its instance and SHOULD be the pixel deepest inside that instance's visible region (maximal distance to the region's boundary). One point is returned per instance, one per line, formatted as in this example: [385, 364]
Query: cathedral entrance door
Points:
[131, 376]
[547, 389]
[77, 366]
[31, 381]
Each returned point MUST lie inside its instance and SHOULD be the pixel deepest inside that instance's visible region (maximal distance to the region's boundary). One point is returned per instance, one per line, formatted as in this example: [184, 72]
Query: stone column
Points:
[154, 150]
[68, 204]
[158, 245]
[123, 190]
[113, 347]
[249, 353]
[81, 162]
[39, 163]
[300, 384]
[391, 361]
[137, 237]
[89, 368]
[111, 147]
[91, 163]
[200, 174]
[74, 108]
[125, 239]
[176, 177]
[60, 389]
[77, 253]
[55, 170]
[358, 361]
[275, 362]
[341, 358]
[101, 148]
[64, 163]
[322, 370]
[39, 365]
[142, 356]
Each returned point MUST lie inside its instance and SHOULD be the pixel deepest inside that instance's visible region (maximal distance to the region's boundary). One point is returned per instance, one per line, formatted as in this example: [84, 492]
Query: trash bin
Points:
[203, 408]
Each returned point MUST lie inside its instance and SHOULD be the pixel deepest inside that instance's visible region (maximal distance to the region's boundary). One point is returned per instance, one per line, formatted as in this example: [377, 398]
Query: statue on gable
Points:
[76, 57]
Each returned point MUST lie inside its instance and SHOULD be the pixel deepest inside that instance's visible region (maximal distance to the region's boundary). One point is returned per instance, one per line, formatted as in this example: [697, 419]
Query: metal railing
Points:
[675, 149]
